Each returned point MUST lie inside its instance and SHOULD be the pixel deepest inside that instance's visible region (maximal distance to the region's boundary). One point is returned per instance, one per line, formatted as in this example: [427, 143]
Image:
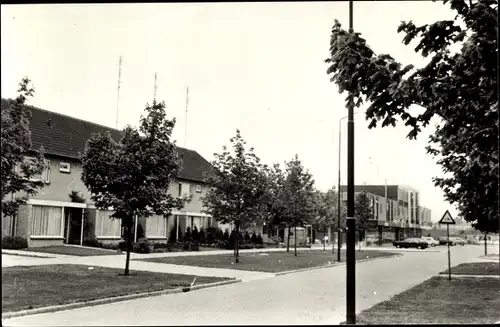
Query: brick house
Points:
[50, 217]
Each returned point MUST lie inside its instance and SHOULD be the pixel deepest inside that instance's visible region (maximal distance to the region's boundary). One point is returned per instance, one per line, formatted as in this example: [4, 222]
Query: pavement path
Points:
[311, 297]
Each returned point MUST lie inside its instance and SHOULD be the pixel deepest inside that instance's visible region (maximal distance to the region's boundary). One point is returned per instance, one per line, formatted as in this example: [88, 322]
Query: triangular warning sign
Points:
[447, 219]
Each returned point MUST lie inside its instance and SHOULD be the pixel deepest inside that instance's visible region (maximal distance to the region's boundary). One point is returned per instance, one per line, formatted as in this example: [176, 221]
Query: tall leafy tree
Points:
[298, 197]
[363, 213]
[457, 88]
[237, 188]
[18, 173]
[133, 175]
[326, 210]
[275, 207]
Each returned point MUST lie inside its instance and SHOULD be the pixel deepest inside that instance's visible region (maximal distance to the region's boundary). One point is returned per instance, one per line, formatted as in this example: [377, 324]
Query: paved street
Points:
[311, 297]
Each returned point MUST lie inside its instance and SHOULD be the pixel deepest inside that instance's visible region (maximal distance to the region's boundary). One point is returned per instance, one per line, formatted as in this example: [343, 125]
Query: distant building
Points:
[396, 208]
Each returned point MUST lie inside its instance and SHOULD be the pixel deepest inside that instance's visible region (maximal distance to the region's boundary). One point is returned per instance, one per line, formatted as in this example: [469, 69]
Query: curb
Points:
[471, 276]
[21, 253]
[334, 265]
[77, 305]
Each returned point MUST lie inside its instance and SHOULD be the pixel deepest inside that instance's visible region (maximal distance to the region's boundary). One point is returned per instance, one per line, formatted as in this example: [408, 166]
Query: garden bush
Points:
[259, 239]
[92, 243]
[195, 235]
[247, 237]
[253, 239]
[110, 246]
[14, 243]
[143, 246]
[203, 238]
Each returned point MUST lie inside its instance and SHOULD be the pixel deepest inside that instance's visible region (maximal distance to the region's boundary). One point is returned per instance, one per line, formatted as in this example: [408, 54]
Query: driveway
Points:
[311, 297]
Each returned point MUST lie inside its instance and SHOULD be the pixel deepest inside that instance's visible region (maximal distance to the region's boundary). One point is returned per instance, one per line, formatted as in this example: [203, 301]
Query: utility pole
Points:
[351, 222]
[118, 91]
[186, 118]
[155, 88]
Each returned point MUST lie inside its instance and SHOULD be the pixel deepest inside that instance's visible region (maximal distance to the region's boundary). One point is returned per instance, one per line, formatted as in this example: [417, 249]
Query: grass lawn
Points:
[475, 268]
[269, 261]
[73, 250]
[465, 300]
[39, 286]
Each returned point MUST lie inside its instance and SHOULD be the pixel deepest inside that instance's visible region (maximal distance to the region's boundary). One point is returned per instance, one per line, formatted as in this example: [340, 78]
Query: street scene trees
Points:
[458, 89]
[326, 211]
[363, 212]
[132, 176]
[298, 198]
[18, 172]
[237, 188]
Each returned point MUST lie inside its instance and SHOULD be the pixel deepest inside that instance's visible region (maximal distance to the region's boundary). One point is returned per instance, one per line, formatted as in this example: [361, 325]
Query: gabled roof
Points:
[66, 136]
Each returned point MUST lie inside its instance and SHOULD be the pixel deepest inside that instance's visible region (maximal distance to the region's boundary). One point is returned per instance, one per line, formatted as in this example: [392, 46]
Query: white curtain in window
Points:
[197, 222]
[46, 221]
[107, 226]
[155, 226]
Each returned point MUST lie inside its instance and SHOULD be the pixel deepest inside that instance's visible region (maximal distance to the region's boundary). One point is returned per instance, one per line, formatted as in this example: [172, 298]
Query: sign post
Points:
[448, 220]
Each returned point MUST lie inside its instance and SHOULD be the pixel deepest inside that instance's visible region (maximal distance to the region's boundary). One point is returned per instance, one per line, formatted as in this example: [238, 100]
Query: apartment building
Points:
[50, 217]
[395, 208]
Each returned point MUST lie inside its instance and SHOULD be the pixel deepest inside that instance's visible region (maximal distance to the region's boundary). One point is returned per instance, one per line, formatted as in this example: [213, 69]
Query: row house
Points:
[50, 217]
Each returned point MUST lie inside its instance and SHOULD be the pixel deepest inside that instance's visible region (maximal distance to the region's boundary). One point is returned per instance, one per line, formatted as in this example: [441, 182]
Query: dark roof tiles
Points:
[66, 136]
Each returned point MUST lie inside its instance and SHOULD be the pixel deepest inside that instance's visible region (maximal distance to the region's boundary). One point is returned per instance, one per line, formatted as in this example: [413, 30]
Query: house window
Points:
[107, 226]
[44, 176]
[65, 167]
[197, 221]
[156, 226]
[198, 188]
[46, 221]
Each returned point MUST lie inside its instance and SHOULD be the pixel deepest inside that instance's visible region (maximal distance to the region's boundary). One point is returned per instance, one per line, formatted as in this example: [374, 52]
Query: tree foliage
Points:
[298, 196]
[326, 203]
[132, 176]
[17, 172]
[237, 187]
[457, 88]
[362, 212]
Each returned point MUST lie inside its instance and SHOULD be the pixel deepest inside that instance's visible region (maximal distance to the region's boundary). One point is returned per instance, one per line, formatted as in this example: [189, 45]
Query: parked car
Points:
[411, 243]
[443, 240]
[459, 240]
[430, 240]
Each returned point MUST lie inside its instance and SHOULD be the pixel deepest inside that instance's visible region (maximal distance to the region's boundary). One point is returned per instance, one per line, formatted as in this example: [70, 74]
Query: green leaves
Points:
[133, 175]
[17, 172]
[362, 211]
[458, 87]
[238, 185]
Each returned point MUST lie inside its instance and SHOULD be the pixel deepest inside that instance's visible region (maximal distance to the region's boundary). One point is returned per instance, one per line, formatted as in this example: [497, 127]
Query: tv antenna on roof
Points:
[118, 91]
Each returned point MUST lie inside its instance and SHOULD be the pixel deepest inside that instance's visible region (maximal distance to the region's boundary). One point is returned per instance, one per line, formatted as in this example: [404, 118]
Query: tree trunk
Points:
[295, 238]
[237, 245]
[288, 240]
[324, 241]
[129, 245]
[485, 243]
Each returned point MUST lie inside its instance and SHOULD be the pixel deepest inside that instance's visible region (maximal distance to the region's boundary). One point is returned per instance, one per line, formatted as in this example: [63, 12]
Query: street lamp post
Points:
[350, 221]
[339, 211]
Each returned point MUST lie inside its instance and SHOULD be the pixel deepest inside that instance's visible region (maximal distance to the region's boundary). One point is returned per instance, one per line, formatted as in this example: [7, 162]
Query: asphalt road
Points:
[311, 297]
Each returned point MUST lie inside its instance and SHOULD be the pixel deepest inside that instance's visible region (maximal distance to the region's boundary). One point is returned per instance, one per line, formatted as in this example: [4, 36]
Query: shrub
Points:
[259, 239]
[93, 243]
[195, 246]
[254, 238]
[173, 234]
[122, 245]
[203, 238]
[245, 246]
[14, 242]
[196, 234]
[143, 246]
[247, 237]
[225, 236]
[210, 238]
[259, 246]
[110, 246]
[187, 236]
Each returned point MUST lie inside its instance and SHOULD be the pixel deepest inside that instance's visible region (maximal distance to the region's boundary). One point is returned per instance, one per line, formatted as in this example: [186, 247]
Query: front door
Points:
[75, 225]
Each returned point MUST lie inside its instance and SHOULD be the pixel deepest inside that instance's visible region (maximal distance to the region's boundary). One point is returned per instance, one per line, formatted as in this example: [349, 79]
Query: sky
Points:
[257, 67]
